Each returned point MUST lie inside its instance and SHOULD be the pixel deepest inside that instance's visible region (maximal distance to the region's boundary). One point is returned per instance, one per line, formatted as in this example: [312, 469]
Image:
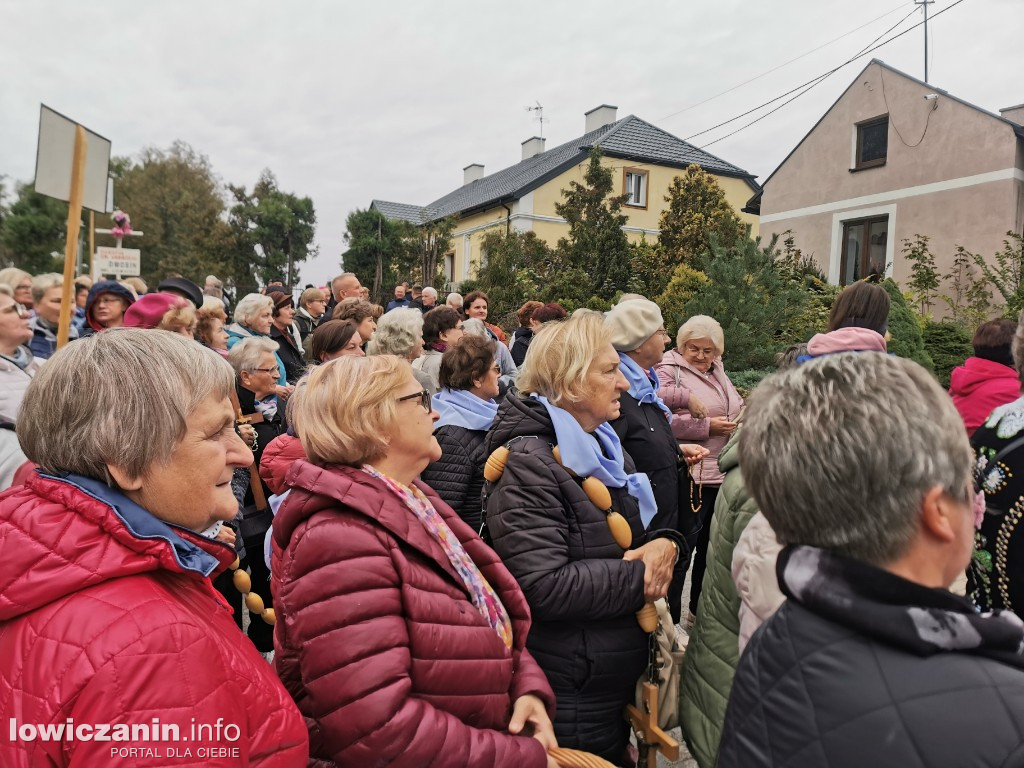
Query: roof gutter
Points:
[508, 219]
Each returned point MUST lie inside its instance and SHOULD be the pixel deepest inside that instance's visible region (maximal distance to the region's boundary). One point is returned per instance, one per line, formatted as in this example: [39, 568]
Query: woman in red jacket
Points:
[400, 634]
[988, 379]
[109, 626]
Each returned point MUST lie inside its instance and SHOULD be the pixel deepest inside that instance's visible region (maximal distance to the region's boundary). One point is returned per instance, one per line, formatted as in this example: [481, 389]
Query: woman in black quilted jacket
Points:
[583, 585]
[468, 376]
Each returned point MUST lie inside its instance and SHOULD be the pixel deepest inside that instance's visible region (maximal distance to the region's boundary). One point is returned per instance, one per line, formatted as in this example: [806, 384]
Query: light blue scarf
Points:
[643, 385]
[583, 455]
[464, 409]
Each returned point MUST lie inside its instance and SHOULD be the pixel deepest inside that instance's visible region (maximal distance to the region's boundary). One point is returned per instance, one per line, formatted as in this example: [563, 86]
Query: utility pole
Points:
[925, 4]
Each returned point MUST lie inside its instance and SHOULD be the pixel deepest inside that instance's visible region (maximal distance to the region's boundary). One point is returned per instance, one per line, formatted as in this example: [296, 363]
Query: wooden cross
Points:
[117, 244]
[649, 733]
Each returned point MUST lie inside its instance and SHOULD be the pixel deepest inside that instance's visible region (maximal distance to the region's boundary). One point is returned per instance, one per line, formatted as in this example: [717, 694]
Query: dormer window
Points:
[636, 187]
[872, 143]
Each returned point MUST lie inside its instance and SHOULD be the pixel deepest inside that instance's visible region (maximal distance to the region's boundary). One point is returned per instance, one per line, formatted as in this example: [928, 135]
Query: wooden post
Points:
[73, 228]
[92, 239]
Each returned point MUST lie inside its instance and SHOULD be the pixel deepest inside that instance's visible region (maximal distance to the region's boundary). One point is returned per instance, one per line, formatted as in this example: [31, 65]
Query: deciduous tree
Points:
[33, 232]
[378, 250]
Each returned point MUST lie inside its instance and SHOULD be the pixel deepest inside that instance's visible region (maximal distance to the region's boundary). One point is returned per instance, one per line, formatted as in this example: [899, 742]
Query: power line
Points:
[787, 63]
[805, 86]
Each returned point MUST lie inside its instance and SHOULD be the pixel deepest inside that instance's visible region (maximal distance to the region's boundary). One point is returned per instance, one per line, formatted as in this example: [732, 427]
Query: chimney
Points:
[473, 172]
[599, 117]
[1016, 114]
[533, 147]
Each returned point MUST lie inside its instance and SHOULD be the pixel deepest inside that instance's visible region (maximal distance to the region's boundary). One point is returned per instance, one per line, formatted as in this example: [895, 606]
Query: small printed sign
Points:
[126, 262]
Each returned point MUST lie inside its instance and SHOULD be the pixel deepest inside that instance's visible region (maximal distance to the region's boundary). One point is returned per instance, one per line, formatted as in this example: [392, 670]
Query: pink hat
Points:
[149, 310]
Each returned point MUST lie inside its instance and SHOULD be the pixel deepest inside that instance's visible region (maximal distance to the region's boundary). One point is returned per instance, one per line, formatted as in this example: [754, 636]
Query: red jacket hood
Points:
[278, 457]
[977, 372]
[59, 536]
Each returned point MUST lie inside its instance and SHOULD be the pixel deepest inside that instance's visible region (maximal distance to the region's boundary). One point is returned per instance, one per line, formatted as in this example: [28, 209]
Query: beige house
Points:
[643, 158]
[895, 157]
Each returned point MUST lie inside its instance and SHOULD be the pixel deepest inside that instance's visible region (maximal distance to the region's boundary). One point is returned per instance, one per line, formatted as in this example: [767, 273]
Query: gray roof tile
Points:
[629, 138]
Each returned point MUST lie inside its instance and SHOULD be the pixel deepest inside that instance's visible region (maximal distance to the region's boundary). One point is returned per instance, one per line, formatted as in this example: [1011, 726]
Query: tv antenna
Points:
[540, 116]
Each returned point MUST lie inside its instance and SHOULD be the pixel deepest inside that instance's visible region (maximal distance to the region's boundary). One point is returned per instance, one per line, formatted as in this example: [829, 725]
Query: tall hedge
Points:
[907, 339]
[948, 344]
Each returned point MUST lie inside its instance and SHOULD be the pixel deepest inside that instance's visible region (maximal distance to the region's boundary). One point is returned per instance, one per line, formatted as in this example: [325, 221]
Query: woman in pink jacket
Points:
[694, 367]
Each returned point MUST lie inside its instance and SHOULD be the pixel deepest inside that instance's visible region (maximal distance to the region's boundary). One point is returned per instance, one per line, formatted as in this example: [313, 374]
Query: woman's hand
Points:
[529, 710]
[693, 453]
[284, 392]
[696, 407]
[248, 434]
[659, 558]
[721, 426]
[227, 535]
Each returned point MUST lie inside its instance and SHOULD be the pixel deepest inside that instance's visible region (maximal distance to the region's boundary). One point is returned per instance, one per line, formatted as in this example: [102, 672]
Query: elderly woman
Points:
[254, 316]
[47, 293]
[286, 334]
[361, 313]
[310, 313]
[509, 372]
[400, 333]
[333, 339]
[400, 634]
[108, 301]
[695, 366]
[475, 306]
[17, 367]
[583, 590]
[210, 322]
[469, 383]
[108, 553]
[988, 378]
[255, 363]
[20, 283]
[871, 660]
[162, 311]
[442, 327]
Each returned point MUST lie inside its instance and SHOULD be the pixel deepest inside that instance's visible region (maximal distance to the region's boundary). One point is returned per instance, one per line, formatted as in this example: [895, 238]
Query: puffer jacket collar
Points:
[89, 534]
[519, 416]
[360, 493]
[729, 458]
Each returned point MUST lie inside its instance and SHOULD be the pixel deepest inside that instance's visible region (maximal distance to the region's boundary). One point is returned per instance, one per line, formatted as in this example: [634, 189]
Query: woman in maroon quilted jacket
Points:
[400, 634]
[109, 625]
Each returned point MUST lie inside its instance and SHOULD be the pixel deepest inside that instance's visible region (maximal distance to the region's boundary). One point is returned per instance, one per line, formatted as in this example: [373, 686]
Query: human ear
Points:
[124, 481]
[938, 514]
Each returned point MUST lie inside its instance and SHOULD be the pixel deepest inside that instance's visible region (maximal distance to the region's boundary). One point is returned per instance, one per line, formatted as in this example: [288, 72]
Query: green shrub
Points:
[948, 345]
[747, 379]
[907, 340]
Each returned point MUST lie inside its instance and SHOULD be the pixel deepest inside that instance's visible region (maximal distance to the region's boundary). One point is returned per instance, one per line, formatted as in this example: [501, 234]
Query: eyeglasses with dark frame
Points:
[425, 399]
[16, 308]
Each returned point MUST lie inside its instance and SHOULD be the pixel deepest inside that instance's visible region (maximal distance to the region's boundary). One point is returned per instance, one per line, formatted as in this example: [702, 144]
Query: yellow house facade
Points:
[644, 160]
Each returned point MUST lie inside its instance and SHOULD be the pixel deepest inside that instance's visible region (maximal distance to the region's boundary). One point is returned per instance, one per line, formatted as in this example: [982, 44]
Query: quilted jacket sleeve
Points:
[344, 609]
[527, 519]
[753, 572]
[676, 396]
[450, 475]
[176, 673]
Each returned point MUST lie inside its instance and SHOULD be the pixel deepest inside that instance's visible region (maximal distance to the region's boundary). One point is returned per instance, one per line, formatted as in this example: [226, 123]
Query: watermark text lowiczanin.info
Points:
[154, 733]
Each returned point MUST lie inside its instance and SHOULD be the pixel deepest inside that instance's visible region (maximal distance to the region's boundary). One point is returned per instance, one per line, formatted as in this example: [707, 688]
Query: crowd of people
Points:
[398, 535]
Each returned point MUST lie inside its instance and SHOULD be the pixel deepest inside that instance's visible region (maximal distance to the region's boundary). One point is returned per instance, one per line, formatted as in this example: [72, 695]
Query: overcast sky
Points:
[350, 101]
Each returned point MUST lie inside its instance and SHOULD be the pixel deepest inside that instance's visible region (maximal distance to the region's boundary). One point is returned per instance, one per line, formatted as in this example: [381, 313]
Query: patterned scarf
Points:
[896, 611]
[482, 594]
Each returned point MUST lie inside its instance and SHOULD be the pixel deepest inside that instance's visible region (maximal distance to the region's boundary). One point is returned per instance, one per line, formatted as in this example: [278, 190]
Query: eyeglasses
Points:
[19, 309]
[275, 370]
[425, 400]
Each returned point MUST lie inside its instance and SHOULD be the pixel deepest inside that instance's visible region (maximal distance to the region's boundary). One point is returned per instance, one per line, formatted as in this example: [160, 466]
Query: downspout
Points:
[508, 220]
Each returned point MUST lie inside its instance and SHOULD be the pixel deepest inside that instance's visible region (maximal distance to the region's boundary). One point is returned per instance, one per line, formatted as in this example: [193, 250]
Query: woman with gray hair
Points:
[400, 333]
[694, 368]
[47, 293]
[108, 552]
[254, 316]
[871, 660]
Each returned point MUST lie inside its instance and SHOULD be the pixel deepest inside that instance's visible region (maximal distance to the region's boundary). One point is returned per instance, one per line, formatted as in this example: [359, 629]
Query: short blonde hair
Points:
[12, 276]
[212, 307]
[138, 285]
[251, 306]
[42, 283]
[560, 357]
[142, 387]
[180, 317]
[310, 294]
[348, 408]
[702, 327]
[397, 333]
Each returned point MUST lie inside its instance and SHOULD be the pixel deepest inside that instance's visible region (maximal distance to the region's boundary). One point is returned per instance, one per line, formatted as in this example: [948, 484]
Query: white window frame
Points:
[630, 178]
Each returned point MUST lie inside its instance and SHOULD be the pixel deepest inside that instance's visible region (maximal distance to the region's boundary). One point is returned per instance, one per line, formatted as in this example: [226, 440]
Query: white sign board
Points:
[55, 151]
[126, 262]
